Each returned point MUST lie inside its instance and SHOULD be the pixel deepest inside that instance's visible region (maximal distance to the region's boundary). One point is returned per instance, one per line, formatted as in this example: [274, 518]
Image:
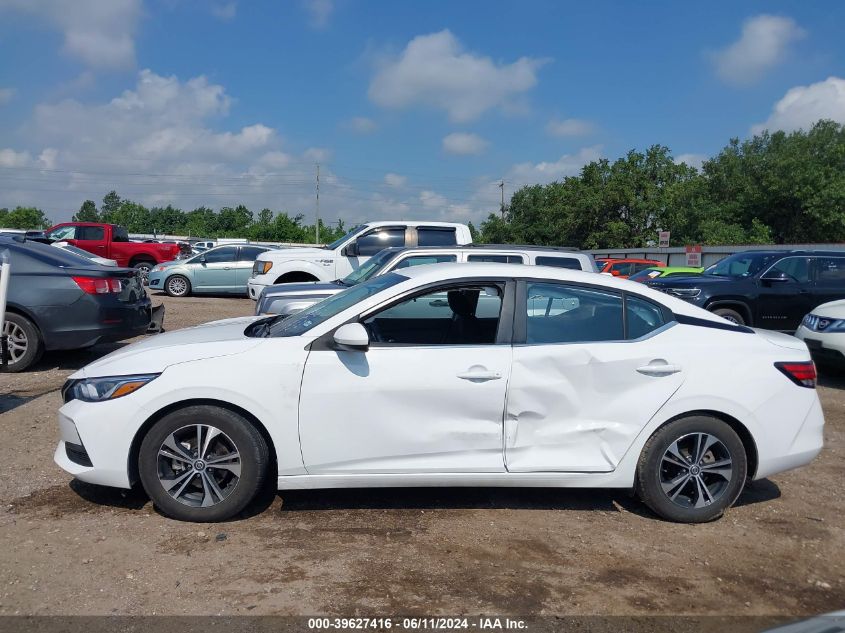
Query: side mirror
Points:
[615, 273]
[351, 250]
[777, 276]
[201, 259]
[352, 337]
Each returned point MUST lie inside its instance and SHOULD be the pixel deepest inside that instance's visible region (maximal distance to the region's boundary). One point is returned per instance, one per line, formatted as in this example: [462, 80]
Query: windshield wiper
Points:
[342, 282]
[261, 329]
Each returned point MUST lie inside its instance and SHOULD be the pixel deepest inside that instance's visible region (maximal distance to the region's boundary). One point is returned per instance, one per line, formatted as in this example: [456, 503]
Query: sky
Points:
[411, 109]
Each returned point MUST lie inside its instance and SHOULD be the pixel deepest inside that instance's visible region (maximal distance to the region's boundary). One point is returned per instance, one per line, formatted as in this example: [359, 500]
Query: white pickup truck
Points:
[338, 259]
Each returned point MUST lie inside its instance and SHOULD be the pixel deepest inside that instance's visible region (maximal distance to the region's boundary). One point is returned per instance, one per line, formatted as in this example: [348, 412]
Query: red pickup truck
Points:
[112, 241]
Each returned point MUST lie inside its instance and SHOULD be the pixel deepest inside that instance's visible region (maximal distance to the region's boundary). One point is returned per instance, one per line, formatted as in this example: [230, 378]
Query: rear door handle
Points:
[661, 369]
[474, 375]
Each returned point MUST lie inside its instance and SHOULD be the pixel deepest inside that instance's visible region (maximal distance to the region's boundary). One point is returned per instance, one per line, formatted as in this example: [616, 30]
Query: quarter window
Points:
[378, 239]
[464, 315]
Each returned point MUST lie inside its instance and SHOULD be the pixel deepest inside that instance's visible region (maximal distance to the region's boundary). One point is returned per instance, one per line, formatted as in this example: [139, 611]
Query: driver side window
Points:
[461, 315]
[796, 268]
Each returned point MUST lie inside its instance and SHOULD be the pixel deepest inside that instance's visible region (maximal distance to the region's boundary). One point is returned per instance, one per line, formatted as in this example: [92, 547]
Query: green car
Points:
[220, 270]
[668, 271]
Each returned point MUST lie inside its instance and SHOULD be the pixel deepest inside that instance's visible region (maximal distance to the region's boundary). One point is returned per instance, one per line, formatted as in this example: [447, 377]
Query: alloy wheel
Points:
[177, 286]
[199, 465]
[17, 339]
[696, 470]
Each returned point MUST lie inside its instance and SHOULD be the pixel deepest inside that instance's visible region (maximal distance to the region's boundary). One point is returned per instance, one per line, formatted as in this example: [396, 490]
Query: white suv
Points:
[289, 298]
[338, 259]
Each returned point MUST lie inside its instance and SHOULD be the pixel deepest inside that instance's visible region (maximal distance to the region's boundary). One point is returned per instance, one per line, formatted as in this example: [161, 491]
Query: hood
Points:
[694, 281]
[830, 310]
[306, 288]
[155, 353]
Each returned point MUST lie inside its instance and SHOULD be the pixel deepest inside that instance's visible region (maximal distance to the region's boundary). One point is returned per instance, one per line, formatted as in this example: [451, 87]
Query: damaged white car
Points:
[450, 375]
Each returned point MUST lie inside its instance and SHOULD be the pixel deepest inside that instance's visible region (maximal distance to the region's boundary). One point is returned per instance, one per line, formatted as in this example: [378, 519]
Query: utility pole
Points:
[317, 223]
[501, 186]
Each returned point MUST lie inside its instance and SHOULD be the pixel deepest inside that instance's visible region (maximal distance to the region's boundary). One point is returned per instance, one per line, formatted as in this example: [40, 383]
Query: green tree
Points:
[26, 218]
[87, 212]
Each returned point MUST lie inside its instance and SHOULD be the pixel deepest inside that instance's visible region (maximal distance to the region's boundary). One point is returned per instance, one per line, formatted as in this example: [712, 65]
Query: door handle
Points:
[227, 268]
[659, 369]
[476, 375]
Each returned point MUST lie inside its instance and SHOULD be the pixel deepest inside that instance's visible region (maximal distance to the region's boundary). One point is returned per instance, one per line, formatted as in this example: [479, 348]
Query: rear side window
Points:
[558, 313]
[831, 271]
[92, 233]
[559, 262]
[381, 238]
[420, 260]
[496, 259]
[249, 253]
[436, 236]
[119, 234]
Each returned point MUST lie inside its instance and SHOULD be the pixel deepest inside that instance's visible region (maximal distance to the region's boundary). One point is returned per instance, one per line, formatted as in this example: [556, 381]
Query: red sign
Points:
[694, 255]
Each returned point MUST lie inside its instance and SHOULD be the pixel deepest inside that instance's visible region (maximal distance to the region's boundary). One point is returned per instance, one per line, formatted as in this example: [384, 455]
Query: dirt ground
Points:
[72, 548]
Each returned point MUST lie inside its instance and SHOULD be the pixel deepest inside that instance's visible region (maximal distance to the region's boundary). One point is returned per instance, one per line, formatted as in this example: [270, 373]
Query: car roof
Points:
[410, 223]
[488, 247]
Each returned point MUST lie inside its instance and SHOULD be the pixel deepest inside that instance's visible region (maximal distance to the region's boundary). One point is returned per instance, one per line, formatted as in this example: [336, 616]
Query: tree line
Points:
[777, 188]
[772, 188]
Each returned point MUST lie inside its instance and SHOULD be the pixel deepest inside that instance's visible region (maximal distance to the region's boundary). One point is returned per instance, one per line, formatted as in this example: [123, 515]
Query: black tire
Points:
[144, 267]
[237, 434]
[731, 315]
[178, 289]
[656, 469]
[22, 332]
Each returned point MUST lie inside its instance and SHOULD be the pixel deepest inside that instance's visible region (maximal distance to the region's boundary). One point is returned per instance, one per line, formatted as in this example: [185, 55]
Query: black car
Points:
[58, 301]
[767, 289]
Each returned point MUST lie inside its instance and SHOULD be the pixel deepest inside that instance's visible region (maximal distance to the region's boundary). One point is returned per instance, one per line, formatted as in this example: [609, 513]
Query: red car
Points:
[112, 242]
[626, 267]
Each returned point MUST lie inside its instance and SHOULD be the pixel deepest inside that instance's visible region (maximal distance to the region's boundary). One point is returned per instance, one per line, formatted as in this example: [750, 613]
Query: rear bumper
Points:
[92, 320]
[804, 446]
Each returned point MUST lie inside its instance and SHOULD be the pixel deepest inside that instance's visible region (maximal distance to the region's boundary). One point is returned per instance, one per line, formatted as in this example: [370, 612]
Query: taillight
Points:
[97, 285]
[802, 374]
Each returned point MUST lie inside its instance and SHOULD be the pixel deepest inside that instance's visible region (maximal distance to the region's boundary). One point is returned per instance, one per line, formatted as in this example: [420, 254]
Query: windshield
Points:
[648, 273]
[300, 323]
[740, 265]
[369, 268]
[340, 241]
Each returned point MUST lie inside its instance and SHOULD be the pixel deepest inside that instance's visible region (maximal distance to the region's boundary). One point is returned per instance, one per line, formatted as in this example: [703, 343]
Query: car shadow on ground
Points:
[75, 359]
[831, 377]
[132, 499]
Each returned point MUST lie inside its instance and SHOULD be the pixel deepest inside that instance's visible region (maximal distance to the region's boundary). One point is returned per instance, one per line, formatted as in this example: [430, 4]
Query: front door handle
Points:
[475, 374]
[659, 369]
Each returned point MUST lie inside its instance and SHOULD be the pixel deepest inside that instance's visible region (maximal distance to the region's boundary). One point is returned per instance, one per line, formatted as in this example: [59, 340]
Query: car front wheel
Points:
[731, 315]
[203, 463]
[178, 286]
[692, 469]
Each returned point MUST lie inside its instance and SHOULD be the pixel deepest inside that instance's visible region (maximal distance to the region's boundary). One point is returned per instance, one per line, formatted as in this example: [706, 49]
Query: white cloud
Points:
[545, 172]
[319, 11]
[434, 70]
[764, 43]
[225, 12]
[6, 95]
[464, 143]
[361, 125]
[693, 160]
[569, 127]
[804, 105]
[11, 158]
[99, 32]
[395, 180]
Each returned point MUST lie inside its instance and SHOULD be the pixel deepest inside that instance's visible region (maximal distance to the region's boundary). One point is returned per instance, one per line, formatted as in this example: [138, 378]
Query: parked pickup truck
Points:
[112, 242]
[338, 259]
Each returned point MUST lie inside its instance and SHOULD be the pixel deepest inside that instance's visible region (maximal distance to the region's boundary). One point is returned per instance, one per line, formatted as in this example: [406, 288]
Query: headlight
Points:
[262, 268]
[837, 325]
[159, 269]
[109, 388]
[684, 293]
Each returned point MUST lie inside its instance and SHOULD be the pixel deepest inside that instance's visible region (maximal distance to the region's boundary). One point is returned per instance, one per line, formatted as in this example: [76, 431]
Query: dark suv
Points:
[768, 289]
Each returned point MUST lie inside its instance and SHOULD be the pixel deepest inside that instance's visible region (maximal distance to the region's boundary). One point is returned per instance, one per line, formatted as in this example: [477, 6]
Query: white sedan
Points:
[450, 375]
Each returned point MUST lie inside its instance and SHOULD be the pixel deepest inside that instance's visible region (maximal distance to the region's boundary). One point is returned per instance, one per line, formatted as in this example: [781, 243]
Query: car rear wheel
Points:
[144, 268]
[692, 469]
[203, 463]
[731, 315]
[24, 340]
[177, 286]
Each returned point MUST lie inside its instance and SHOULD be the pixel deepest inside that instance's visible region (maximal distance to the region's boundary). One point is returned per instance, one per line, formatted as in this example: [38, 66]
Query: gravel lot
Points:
[71, 548]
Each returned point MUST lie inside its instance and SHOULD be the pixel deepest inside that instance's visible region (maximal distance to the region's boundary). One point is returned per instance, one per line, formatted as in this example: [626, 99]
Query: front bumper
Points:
[824, 346]
[254, 288]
